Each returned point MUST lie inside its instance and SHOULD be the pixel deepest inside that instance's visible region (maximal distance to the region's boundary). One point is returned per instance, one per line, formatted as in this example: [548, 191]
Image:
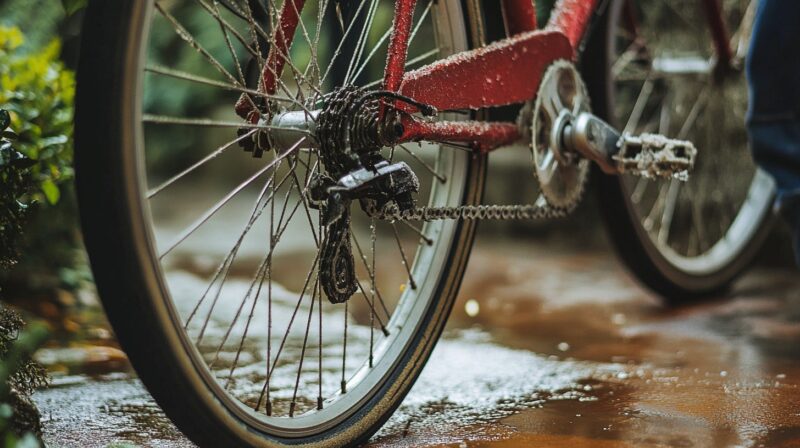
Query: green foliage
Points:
[19, 376]
[18, 371]
[39, 93]
[40, 27]
[16, 181]
[73, 6]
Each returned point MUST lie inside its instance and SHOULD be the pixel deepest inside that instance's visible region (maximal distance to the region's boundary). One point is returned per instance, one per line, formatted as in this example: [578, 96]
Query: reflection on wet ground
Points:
[549, 347]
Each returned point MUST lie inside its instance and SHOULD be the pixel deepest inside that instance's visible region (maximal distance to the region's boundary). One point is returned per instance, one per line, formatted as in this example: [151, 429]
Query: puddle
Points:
[531, 357]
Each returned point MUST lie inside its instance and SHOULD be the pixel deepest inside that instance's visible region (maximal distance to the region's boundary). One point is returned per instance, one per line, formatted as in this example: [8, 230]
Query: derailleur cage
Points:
[379, 185]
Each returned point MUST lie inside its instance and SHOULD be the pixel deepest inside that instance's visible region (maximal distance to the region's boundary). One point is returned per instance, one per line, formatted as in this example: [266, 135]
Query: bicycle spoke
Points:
[421, 19]
[205, 122]
[154, 191]
[371, 299]
[303, 350]
[343, 383]
[422, 236]
[235, 364]
[639, 106]
[742, 34]
[338, 50]
[361, 42]
[285, 55]
[272, 365]
[319, 344]
[422, 57]
[224, 27]
[268, 406]
[177, 74]
[657, 206]
[624, 61]
[406, 265]
[669, 211]
[689, 123]
[371, 274]
[303, 200]
[224, 267]
[187, 37]
[371, 306]
[262, 267]
[216, 207]
[372, 53]
[441, 177]
[679, 14]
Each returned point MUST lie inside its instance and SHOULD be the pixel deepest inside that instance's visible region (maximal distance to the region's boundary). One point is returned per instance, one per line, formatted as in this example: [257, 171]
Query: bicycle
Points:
[334, 178]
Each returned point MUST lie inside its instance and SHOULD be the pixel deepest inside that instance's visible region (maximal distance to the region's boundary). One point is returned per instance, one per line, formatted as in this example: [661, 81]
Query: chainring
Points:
[562, 175]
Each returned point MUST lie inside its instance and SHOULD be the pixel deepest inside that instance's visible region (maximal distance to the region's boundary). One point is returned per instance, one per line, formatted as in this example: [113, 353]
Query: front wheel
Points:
[653, 69]
[207, 259]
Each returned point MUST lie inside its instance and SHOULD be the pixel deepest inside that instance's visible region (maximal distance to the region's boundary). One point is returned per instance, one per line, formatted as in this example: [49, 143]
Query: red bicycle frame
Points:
[505, 72]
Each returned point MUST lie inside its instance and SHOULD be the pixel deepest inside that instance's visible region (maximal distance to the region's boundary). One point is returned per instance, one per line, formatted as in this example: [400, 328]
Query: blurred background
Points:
[514, 308]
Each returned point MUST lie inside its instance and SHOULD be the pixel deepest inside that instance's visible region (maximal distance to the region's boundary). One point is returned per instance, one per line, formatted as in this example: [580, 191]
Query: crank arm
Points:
[647, 155]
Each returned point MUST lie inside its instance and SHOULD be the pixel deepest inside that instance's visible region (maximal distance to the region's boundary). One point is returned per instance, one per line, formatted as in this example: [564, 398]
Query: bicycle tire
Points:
[121, 253]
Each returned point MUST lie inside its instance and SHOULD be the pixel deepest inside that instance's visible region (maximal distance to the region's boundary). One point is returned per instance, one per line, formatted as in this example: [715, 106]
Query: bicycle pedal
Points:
[655, 156]
[646, 155]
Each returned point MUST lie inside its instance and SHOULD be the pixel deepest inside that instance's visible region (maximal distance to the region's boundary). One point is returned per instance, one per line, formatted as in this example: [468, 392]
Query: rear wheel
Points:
[207, 259]
[652, 67]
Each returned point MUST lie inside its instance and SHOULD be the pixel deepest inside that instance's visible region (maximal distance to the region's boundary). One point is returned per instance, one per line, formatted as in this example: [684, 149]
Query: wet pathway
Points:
[549, 347]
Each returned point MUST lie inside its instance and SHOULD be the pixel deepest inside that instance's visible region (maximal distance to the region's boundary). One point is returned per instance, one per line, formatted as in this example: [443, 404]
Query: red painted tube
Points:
[519, 16]
[398, 46]
[630, 19]
[284, 33]
[278, 53]
[571, 17]
[719, 31]
[484, 136]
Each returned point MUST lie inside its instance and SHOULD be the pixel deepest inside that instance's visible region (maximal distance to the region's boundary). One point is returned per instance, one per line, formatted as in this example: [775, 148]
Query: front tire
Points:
[685, 269]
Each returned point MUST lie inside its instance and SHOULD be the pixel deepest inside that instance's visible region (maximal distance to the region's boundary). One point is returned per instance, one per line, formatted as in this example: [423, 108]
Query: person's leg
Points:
[773, 70]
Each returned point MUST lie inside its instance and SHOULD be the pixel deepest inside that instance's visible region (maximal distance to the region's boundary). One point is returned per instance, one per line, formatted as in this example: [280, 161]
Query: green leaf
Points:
[50, 191]
[5, 119]
[73, 6]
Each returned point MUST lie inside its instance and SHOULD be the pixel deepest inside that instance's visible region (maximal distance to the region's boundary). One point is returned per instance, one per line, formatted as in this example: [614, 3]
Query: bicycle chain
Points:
[391, 212]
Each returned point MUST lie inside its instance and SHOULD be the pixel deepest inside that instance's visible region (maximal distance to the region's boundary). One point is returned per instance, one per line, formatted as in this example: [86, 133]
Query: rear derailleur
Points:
[349, 138]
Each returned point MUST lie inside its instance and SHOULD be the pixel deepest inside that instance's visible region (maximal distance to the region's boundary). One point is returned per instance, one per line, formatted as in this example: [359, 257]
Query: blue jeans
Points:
[773, 121]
